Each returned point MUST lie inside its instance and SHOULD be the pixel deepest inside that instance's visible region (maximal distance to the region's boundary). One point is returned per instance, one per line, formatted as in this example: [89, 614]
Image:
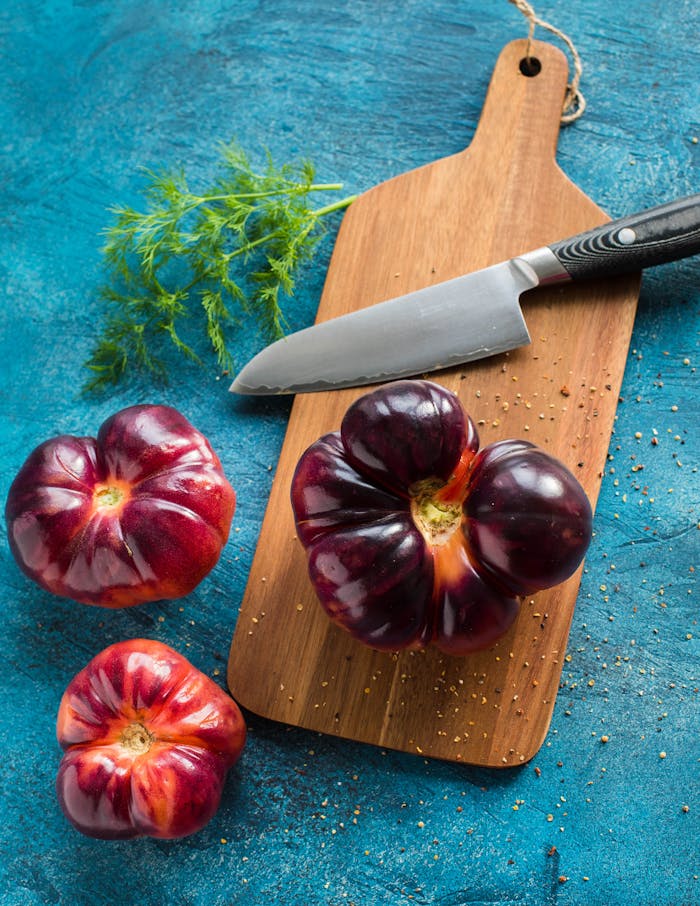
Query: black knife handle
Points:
[661, 234]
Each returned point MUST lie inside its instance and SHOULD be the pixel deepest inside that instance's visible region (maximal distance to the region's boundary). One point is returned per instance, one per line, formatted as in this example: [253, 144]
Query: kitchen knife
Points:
[466, 318]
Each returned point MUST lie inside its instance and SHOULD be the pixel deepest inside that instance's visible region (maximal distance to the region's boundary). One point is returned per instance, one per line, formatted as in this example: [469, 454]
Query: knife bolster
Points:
[545, 266]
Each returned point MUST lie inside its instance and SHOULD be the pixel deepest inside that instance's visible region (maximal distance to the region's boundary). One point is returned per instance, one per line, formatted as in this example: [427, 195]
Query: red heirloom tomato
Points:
[137, 514]
[415, 536]
[148, 740]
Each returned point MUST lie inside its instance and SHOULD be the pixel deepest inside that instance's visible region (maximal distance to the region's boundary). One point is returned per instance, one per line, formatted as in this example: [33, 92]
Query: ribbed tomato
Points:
[139, 513]
[148, 740]
[414, 535]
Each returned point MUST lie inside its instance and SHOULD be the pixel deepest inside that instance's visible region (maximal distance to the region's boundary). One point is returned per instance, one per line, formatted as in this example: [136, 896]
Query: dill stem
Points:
[334, 206]
[261, 240]
[291, 189]
[313, 215]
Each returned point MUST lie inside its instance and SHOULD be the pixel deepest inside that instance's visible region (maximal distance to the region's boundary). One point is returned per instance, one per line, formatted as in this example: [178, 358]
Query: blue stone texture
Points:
[94, 91]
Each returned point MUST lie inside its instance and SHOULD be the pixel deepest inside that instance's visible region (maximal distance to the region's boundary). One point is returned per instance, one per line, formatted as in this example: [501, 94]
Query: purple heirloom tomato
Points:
[415, 536]
[147, 742]
[139, 513]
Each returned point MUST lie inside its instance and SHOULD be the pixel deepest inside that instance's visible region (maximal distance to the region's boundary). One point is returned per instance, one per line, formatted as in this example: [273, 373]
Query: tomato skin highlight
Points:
[415, 536]
[148, 740]
[139, 513]
[528, 523]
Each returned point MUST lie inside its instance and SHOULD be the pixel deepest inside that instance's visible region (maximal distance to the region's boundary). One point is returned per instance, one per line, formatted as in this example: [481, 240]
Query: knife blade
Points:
[468, 317]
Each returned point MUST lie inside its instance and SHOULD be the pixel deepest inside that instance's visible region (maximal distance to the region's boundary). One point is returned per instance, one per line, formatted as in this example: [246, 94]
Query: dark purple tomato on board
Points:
[415, 536]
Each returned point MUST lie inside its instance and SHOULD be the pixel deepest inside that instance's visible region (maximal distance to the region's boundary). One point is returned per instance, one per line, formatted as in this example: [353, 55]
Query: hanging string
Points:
[574, 101]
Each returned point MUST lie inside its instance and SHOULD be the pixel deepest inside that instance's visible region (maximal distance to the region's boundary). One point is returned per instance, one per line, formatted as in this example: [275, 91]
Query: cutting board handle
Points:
[523, 100]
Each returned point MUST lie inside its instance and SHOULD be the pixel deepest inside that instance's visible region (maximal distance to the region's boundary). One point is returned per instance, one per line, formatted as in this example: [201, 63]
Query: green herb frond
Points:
[236, 247]
[166, 186]
[217, 315]
[120, 348]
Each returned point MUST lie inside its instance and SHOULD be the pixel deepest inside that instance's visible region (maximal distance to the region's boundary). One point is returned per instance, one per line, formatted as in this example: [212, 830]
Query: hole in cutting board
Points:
[530, 66]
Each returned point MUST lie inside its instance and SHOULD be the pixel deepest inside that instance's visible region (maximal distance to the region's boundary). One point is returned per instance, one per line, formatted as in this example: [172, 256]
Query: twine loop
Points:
[574, 101]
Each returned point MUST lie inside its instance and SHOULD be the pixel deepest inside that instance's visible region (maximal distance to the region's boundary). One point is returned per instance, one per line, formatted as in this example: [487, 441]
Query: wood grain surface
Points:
[501, 196]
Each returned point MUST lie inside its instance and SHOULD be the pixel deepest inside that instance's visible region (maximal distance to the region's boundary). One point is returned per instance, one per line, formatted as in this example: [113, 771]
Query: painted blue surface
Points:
[91, 91]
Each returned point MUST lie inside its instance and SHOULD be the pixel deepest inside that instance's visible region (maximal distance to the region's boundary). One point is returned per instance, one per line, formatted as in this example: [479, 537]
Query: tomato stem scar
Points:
[112, 493]
[435, 518]
[137, 738]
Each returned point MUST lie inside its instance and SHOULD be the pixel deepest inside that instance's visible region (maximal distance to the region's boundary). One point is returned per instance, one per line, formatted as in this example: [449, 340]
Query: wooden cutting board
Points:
[501, 196]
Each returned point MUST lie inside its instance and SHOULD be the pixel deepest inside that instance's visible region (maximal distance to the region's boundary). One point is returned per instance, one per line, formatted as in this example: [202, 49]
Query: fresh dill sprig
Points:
[235, 248]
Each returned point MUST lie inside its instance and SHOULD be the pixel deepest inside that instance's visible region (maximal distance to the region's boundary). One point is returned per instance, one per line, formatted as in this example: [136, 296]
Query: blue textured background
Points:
[93, 90]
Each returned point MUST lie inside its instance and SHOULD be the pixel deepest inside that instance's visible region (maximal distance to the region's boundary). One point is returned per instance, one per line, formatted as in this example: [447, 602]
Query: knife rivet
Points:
[627, 236]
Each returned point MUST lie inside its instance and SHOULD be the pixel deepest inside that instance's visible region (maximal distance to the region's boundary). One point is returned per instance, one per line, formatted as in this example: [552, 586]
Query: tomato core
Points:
[436, 519]
[137, 738]
[108, 496]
